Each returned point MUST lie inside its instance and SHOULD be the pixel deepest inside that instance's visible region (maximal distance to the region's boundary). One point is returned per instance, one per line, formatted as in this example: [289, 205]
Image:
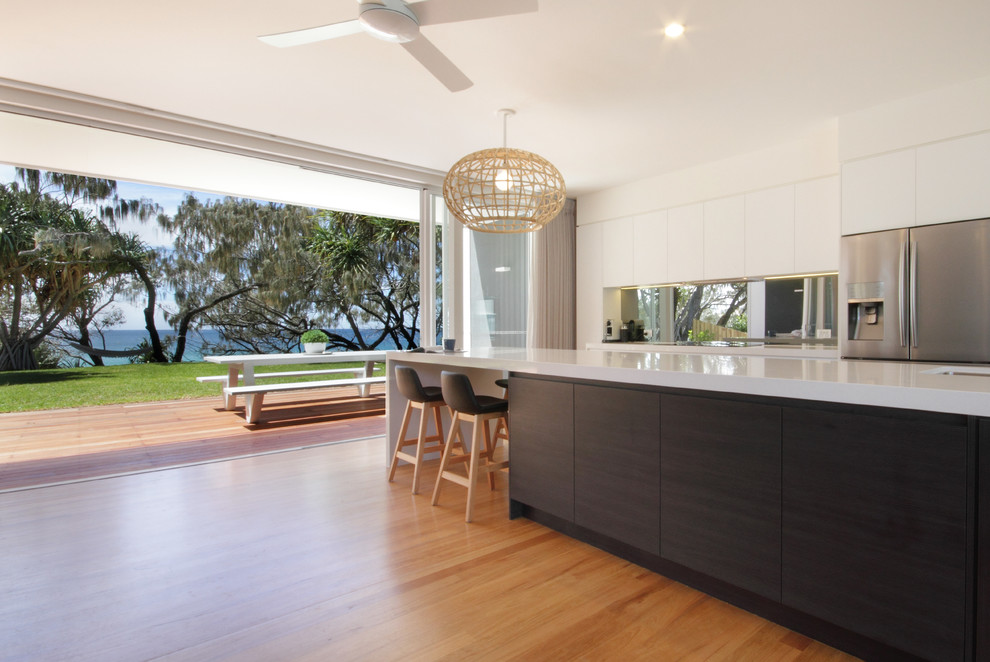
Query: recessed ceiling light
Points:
[674, 30]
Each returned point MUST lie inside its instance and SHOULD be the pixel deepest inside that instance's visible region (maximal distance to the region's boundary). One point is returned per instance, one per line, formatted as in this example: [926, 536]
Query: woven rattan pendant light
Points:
[504, 190]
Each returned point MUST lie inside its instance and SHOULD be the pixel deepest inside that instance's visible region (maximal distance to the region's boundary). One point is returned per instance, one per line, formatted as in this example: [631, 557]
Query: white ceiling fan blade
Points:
[309, 35]
[433, 12]
[437, 63]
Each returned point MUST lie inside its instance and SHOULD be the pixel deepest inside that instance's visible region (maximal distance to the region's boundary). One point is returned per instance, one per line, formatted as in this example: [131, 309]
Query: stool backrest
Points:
[458, 392]
[409, 384]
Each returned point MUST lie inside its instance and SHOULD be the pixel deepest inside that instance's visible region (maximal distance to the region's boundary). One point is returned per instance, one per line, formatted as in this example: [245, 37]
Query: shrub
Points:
[315, 335]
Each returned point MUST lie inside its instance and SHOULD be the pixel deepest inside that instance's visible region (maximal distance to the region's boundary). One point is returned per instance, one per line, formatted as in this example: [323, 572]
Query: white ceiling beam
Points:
[60, 105]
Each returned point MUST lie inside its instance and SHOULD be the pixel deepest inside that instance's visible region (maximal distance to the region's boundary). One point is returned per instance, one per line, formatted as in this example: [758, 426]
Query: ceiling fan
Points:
[396, 22]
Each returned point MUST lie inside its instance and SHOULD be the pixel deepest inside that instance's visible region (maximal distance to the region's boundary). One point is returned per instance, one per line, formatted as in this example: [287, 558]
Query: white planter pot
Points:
[314, 347]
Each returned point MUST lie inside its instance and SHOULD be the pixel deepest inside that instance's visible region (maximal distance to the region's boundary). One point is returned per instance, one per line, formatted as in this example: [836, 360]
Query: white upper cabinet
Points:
[649, 249]
[878, 193]
[725, 236]
[588, 283]
[617, 261]
[954, 180]
[685, 243]
[770, 232]
[816, 226]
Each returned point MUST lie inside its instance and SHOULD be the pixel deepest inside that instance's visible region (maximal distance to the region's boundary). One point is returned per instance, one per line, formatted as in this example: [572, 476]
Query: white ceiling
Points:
[599, 90]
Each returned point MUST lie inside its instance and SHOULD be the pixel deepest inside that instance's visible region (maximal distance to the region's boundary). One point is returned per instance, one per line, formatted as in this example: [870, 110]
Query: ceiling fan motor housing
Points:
[391, 21]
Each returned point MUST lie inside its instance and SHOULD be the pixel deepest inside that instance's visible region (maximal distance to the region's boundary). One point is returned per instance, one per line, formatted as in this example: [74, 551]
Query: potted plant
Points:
[314, 341]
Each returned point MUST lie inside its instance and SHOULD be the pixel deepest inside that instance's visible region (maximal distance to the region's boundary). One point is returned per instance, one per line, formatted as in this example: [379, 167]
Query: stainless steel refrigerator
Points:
[920, 294]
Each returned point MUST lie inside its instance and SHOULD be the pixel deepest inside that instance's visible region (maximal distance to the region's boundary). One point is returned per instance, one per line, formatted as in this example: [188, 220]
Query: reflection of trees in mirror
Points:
[718, 304]
[721, 304]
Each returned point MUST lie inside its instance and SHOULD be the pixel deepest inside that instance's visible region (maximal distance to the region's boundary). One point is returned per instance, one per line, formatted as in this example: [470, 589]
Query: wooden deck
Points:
[45, 447]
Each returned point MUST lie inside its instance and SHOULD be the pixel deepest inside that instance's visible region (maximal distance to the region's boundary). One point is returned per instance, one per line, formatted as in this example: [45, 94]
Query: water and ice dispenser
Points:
[866, 315]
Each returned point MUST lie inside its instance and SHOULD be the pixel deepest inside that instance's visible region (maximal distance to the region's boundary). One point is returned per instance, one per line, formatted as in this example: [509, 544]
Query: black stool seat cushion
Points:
[502, 383]
[459, 395]
[488, 404]
[433, 394]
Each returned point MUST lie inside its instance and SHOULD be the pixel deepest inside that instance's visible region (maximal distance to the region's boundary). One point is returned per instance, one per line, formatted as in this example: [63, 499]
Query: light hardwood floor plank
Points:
[312, 555]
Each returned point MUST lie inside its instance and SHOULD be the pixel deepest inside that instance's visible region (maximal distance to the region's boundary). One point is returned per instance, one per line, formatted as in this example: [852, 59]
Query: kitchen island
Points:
[838, 498]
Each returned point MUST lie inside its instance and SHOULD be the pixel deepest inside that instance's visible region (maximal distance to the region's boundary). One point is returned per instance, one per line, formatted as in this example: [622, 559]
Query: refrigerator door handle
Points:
[913, 285]
[902, 277]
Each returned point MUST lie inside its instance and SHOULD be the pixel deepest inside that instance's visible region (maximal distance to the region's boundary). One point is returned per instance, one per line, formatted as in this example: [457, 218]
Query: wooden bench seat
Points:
[357, 372]
[254, 395]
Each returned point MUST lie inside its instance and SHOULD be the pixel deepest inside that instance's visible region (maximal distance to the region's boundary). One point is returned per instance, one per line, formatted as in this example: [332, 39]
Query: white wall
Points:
[50, 145]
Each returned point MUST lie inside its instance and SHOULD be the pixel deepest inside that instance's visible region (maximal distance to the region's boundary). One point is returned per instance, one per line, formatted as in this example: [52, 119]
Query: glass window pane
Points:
[499, 289]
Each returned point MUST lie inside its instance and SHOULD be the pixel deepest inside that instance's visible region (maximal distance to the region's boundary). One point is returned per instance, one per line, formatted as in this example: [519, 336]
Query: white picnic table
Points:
[241, 367]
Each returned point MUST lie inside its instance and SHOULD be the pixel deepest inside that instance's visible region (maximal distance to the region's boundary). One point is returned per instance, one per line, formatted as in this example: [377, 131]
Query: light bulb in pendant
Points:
[503, 182]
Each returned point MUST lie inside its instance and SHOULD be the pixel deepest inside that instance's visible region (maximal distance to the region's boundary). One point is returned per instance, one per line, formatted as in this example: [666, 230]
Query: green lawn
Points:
[143, 382]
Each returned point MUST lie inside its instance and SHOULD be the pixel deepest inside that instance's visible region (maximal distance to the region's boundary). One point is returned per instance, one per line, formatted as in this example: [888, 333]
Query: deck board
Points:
[44, 447]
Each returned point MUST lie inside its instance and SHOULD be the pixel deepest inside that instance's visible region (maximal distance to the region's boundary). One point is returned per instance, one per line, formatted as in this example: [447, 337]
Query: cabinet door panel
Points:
[874, 527]
[617, 464]
[720, 490]
[588, 278]
[725, 238]
[541, 455]
[817, 225]
[878, 193]
[686, 243]
[617, 243]
[952, 177]
[650, 248]
[770, 232]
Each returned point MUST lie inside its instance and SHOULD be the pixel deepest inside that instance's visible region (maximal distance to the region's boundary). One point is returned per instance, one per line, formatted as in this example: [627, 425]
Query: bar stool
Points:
[426, 399]
[502, 424]
[477, 410]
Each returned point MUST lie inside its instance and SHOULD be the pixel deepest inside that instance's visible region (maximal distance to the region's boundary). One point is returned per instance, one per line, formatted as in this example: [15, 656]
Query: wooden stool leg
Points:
[445, 459]
[473, 470]
[398, 442]
[490, 454]
[438, 421]
[420, 442]
[502, 428]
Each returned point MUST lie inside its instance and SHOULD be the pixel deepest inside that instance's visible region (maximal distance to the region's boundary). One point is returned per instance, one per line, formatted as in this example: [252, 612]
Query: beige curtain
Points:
[552, 282]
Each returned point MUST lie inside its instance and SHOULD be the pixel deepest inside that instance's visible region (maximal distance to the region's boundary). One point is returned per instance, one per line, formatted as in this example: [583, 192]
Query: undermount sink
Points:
[969, 371]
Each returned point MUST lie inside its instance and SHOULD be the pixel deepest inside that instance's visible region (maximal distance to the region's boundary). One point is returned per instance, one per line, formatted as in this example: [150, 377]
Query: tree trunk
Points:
[188, 316]
[685, 320]
[157, 353]
[84, 339]
[738, 299]
[18, 355]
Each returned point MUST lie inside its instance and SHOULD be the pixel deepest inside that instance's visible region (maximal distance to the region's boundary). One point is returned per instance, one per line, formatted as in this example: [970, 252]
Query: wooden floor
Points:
[312, 555]
[45, 447]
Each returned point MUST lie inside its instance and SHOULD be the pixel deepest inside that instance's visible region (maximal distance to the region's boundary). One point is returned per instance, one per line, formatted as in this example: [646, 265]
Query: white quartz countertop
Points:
[876, 383]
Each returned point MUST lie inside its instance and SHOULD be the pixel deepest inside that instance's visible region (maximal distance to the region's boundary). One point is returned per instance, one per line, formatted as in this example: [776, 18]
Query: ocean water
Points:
[129, 338]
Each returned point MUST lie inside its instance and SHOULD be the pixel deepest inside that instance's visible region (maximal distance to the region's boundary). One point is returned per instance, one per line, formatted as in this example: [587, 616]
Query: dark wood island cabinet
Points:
[617, 464]
[857, 525]
[720, 490]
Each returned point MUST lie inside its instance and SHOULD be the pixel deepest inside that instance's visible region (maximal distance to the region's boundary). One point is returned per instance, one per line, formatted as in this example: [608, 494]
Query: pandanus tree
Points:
[99, 197]
[52, 256]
